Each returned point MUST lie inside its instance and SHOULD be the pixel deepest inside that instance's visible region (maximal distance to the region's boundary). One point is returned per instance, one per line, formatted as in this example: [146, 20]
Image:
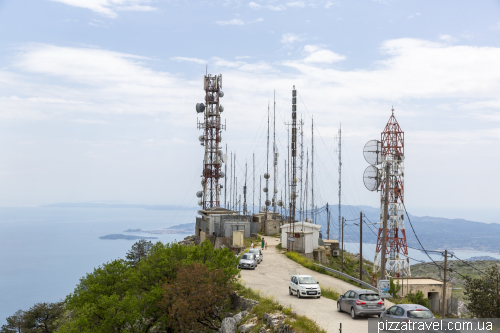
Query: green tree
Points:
[43, 317]
[118, 297]
[484, 294]
[139, 250]
[394, 288]
[15, 323]
[418, 298]
[195, 299]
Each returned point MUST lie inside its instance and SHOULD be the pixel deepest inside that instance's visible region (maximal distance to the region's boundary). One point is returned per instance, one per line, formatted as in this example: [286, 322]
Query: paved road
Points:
[272, 276]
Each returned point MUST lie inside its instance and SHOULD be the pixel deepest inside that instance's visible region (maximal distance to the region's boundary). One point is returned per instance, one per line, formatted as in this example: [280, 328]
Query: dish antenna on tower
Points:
[373, 152]
[371, 178]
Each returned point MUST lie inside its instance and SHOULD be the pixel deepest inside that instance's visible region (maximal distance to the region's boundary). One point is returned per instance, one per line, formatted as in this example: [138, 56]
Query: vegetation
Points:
[330, 293]
[300, 324]
[394, 288]
[40, 318]
[139, 250]
[484, 294]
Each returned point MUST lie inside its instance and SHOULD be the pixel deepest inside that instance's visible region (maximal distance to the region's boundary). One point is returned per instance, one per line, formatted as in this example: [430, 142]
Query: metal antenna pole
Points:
[253, 186]
[260, 194]
[235, 199]
[275, 154]
[301, 199]
[293, 191]
[386, 217]
[266, 175]
[307, 183]
[245, 192]
[340, 175]
[361, 246]
[285, 202]
[225, 180]
[312, 168]
[231, 183]
[328, 222]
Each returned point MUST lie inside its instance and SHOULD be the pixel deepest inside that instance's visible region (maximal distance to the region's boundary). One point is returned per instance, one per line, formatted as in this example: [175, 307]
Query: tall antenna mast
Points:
[275, 154]
[301, 199]
[307, 182]
[266, 175]
[340, 178]
[225, 180]
[260, 194]
[285, 202]
[293, 185]
[212, 128]
[253, 186]
[312, 169]
[245, 192]
[230, 183]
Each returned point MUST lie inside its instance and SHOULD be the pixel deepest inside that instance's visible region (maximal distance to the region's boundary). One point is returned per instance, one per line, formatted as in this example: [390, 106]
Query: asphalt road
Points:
[272, 276]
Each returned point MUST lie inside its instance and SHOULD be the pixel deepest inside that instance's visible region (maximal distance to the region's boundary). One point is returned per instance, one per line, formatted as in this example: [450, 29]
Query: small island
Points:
[186, 228]
[488, 258]
[127, 237]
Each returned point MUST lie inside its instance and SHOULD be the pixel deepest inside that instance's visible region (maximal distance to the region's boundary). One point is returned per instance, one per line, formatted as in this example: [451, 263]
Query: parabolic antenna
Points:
[373, 152]
[371, 178]
[224, 158]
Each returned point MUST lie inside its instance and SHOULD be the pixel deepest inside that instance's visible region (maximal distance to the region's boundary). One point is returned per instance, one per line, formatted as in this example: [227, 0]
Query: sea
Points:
[45, 251]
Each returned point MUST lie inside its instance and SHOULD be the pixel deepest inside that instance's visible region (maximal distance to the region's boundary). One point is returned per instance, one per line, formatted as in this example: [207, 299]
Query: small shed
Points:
[306, 230]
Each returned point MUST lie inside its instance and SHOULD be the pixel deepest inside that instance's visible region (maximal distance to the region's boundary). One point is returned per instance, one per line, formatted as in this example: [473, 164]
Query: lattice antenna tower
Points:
[267, 203]
[211, 138]
[245, 212]
[392, 157]
[293, 183]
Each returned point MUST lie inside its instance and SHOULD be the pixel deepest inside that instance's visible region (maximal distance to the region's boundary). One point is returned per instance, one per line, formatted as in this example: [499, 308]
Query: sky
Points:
[97, 97]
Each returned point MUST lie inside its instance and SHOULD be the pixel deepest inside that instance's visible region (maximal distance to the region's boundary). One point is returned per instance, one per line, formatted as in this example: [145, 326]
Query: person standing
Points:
[262, 243]
[266, 246]
[251, 246]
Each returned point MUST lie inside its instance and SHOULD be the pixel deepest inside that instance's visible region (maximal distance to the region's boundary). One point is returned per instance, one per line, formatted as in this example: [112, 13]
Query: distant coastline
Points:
[103, 205]
[126, 237]
[186, 228]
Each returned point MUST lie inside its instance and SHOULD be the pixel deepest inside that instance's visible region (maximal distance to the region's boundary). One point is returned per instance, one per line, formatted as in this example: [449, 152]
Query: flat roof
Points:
[420, 280]
[330, 241]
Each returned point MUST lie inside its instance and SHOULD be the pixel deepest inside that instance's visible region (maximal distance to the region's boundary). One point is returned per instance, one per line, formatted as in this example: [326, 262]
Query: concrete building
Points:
[270, 225]
[430, 287]
[332, 247]
[306, 236]
[221, 222]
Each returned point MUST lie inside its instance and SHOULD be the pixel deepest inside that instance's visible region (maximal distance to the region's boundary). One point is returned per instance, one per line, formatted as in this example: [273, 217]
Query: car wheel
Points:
[318, 297]
[298, 293]
[290, 291]
[253, 267]
[353, 314]
[338, 307]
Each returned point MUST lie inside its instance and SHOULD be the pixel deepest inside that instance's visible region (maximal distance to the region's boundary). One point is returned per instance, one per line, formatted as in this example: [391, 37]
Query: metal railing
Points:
[363, 283]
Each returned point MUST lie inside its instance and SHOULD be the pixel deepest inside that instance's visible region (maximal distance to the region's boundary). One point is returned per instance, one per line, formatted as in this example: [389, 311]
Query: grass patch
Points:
[300, 324]
[330, 293]
[308, 263]
[279, 246]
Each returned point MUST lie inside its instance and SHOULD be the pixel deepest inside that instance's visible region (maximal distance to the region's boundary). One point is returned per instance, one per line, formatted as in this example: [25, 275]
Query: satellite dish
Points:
[221, 93]
[221, 108]
[224, 158]
[221, 174]
[280, 203]
[371, 178]
[266, 175]
[373, 152]
[200, 202]
[200, 107]
[265, 189]
[199, 194]
[201, 138]
[268, 203]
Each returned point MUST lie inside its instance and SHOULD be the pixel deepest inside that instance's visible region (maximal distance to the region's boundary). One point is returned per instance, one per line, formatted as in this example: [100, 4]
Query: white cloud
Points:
[254, 5]
[448, 38]
[231, 22]
[109, 8]
[187, 59]
[414, 15]
[317, 54]
[290, 38]
[298, 4]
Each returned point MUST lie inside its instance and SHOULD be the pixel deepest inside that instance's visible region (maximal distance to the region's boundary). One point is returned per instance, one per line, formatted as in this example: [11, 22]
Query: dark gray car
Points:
[361, 302]
[410, 315]
[248, 260]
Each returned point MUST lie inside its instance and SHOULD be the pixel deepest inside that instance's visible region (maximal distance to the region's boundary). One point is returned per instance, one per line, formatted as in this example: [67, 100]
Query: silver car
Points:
[248, 260]
[258, 254]
[361, 302]
[304, 286]
[406, 313]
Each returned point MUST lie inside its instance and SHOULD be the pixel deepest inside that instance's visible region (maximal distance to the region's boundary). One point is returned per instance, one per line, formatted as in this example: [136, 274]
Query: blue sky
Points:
[97, 96]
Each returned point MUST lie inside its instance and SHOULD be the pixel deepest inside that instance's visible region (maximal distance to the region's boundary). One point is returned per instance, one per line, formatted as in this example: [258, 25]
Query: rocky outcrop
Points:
[189, 240]
[238, 302]
[228, 325]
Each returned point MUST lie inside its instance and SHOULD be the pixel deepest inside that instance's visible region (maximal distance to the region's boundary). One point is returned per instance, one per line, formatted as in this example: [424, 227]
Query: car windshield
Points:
[307, 280]
[254, 251]
[422, 314]
[248, 256]
[369, 297]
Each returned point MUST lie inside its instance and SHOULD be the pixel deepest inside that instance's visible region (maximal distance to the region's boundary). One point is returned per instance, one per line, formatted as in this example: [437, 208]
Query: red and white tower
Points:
[392, 153]
[211, 138]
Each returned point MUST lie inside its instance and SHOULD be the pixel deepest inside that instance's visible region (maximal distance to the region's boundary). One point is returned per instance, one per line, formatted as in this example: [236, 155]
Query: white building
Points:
[306, 236]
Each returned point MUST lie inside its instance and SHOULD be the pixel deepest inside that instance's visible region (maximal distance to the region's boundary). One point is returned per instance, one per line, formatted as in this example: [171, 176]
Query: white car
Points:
[304, 286]
[258, 254]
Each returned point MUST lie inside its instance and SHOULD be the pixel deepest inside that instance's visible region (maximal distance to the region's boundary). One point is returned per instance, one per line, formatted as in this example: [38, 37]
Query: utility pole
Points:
[253, 186]
[361, 246]
[245, 212]
[342, 249]
[444, 283]
[384, 226]
[312, 170]
[340, 174]
[225, 179]
[328, 222]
